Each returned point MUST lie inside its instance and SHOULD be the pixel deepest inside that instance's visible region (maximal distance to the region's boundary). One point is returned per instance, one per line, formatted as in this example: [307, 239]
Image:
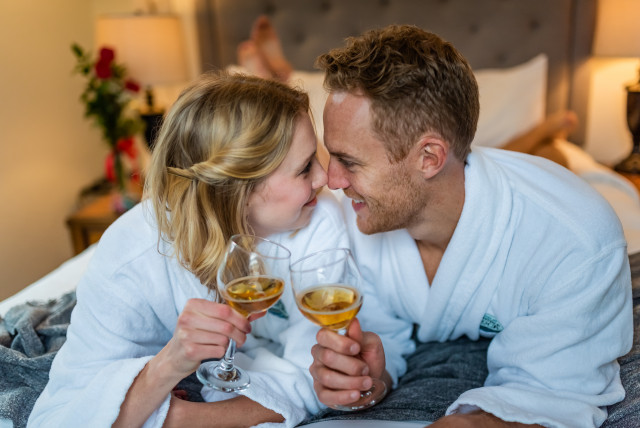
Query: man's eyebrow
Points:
[344, 156]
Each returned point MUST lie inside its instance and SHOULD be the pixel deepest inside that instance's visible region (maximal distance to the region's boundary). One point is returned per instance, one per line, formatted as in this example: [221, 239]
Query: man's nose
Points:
[336, 178]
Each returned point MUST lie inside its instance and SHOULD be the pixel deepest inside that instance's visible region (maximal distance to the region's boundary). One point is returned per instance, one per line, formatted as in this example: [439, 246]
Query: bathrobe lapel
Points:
[471, 266]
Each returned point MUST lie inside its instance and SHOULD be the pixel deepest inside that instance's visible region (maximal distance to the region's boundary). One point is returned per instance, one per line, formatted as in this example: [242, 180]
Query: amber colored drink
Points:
[332, 306]
[252, 294]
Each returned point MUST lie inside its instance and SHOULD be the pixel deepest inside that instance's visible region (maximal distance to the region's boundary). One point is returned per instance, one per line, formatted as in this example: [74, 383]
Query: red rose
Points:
[126, 145]
[109, 168]
[107, 54]
[103, 69]
[132, 85]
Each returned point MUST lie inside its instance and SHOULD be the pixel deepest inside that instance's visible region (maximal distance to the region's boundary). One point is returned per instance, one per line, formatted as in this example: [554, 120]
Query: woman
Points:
[235, 154]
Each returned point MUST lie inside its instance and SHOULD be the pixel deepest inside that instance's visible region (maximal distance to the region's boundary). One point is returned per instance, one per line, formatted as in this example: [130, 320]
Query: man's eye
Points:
[346, 163]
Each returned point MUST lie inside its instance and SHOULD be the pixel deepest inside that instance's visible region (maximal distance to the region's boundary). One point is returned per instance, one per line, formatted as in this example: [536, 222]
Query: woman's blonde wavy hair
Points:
[222, 137]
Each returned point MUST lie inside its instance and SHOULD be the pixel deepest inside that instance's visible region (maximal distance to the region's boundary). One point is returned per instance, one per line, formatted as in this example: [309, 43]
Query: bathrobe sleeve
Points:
[127, 311]
[280, 378]
[111, 337]
[557, 365]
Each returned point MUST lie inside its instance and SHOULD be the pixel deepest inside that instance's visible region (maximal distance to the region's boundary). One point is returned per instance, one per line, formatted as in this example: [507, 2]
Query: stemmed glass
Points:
[326, 286]
[250, 279]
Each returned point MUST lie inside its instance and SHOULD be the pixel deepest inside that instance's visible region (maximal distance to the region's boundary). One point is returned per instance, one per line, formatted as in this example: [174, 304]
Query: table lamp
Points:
[151, 47]
[618, 35]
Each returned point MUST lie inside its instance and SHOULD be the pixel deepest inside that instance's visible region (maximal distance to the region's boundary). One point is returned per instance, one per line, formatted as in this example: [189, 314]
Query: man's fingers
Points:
[354, 331]
[330, 397]
[349, 365]
[341, 344]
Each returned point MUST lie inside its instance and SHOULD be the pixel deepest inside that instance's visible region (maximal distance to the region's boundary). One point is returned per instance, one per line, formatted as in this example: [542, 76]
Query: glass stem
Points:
[226, 364]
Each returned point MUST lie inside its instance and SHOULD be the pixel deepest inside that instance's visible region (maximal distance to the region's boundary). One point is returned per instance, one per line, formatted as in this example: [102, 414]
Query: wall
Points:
[49, 151]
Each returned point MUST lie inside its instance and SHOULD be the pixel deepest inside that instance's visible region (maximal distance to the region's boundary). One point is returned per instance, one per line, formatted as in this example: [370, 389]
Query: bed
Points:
[531, 59]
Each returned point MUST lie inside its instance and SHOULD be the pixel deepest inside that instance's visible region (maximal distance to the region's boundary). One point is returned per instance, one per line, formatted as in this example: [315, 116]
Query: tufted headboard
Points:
[489, 33]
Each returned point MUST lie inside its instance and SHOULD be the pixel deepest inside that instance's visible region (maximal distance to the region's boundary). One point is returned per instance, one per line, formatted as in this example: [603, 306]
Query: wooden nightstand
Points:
[88, 223]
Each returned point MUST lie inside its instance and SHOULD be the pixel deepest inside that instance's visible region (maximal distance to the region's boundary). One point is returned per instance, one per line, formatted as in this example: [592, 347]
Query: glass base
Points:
[367, 398]
[213, 376]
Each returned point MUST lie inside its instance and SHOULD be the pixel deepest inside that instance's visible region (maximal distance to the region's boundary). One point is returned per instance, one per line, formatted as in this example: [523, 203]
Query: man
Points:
[457, 242]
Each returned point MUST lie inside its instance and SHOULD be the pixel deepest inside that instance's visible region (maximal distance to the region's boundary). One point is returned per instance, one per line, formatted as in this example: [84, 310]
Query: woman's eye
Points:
[306, 168]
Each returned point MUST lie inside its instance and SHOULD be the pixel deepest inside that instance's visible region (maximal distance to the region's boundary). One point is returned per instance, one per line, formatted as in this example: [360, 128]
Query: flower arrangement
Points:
[106, 98]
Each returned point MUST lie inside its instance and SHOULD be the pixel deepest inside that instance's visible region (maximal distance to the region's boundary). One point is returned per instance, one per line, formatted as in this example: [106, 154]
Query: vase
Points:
[126, 191]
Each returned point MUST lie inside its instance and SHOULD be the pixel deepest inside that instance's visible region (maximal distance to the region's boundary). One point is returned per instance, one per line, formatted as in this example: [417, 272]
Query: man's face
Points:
[385, 195]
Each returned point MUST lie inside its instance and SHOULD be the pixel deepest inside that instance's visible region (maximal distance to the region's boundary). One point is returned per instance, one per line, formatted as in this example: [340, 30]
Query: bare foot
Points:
[551, 152]
[250, 59]
[266, 39]
[560, 124]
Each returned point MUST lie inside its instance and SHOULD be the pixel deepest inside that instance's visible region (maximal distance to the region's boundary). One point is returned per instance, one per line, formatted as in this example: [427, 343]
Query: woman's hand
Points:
[202, 332]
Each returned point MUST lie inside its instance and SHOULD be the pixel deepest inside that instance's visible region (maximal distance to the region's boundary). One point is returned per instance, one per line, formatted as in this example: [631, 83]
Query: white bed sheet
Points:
[56, 283]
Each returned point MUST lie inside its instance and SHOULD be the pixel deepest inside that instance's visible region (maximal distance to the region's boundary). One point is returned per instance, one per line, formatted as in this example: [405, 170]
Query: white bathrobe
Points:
[538, 261]
[128, 305]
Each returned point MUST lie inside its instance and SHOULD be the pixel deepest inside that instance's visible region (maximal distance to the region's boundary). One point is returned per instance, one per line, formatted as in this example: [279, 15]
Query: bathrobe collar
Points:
[473, 255]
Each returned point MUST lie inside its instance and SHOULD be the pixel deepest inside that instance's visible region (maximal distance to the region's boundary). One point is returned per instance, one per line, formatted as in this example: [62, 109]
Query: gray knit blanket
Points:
[31, 334]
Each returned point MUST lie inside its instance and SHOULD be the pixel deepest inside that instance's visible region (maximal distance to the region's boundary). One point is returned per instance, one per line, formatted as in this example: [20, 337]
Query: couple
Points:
[485, 243]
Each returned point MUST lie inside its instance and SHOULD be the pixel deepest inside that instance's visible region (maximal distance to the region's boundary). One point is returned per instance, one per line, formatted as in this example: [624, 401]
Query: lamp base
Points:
[152, 121]
[630, 165]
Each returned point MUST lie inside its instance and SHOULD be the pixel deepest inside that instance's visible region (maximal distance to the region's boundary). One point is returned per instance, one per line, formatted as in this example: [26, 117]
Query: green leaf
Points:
[77, 50]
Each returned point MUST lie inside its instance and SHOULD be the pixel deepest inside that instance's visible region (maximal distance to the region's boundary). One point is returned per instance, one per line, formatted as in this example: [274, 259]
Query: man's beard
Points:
[397, 206]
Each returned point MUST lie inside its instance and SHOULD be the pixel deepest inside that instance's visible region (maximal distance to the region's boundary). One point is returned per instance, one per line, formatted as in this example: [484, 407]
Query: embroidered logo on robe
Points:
[490, 324]
[279, 310]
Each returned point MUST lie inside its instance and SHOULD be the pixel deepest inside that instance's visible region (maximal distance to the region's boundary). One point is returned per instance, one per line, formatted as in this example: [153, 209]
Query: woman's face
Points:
[285, 200]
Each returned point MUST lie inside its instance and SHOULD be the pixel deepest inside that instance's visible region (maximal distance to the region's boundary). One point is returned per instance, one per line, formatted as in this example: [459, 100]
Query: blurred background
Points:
[49, 151]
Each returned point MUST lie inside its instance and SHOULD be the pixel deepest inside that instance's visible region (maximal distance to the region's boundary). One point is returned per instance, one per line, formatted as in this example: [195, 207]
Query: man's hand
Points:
[477, 419]
[344, 365]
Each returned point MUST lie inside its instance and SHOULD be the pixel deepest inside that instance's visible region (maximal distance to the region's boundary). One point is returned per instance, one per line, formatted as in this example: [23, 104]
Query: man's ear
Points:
[432, 153]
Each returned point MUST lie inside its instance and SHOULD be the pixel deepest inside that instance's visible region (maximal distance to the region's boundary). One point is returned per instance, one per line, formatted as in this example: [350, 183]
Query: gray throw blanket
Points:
[437, 373]
[30, 336]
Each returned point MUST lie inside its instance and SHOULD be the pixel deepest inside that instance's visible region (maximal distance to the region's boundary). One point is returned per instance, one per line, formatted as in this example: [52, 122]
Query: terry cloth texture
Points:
[30, 336]
[437, 373]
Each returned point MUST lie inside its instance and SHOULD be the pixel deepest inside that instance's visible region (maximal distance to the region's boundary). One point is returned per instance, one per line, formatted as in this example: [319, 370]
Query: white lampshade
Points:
[618, 29]
[150, 46]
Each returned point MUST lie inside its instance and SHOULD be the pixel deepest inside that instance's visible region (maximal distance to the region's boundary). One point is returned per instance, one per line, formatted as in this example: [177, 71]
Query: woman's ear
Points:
[432, 155]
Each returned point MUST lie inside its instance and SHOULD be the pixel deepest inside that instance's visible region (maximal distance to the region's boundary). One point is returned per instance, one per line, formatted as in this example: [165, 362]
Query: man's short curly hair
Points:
[416, 81]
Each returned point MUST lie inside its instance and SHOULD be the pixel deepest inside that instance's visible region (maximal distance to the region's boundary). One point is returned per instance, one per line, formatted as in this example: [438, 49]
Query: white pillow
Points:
[512, 101]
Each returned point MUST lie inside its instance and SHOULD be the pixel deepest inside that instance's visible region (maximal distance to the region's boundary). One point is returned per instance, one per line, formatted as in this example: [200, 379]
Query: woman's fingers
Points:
[217, 311]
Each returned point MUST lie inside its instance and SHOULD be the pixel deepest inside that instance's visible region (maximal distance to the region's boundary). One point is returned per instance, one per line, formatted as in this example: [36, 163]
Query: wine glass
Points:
[250, 279]
[326, 286]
